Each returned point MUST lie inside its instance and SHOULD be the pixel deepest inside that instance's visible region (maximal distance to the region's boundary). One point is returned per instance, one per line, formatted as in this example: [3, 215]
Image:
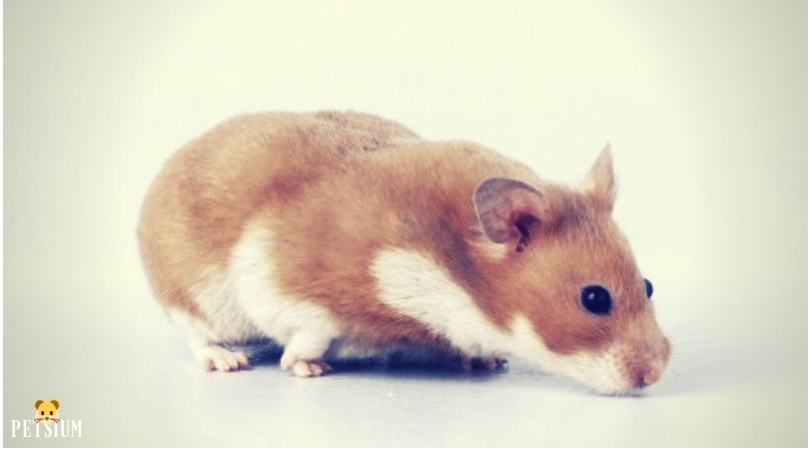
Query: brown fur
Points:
[335, 188]
[196, 208]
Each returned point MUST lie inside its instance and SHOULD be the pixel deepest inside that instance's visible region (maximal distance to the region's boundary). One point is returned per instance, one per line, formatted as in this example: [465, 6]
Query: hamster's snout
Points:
[646, 375]
[648, 363]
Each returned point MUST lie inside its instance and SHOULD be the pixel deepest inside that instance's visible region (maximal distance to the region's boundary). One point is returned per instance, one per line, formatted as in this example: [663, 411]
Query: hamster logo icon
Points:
[47, 411]
[46, 423]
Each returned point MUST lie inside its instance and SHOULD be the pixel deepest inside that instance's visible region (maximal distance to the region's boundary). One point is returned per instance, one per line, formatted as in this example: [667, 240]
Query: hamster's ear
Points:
[508, 209]
[599, 183]
[38, 402]
[55, 403]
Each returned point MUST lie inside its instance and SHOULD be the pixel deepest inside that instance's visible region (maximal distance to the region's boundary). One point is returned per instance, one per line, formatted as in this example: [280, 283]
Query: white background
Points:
[704, 102]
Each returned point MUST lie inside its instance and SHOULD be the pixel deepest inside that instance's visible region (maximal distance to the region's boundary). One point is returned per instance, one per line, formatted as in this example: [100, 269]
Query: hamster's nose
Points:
[645, 376]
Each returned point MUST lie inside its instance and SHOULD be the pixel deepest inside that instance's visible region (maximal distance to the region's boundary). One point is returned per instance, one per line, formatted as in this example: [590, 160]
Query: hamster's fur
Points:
[343, 235]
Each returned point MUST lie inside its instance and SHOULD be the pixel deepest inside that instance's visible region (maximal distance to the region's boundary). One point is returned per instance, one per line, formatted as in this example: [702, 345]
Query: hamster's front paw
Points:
[302, 355]
[310, 368]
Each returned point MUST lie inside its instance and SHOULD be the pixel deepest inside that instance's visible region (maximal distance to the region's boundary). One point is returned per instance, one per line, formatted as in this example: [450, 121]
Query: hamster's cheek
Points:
[621, 369]
[601, 372]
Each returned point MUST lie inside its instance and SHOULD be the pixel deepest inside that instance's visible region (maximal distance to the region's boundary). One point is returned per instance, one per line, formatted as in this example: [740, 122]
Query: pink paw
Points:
[312, 368]
[215, 357]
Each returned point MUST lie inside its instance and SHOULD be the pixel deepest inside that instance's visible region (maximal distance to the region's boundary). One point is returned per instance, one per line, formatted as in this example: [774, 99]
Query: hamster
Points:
[343, 235]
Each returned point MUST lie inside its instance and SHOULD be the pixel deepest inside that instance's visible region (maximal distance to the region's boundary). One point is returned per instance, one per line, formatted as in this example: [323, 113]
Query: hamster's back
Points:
[197, 206]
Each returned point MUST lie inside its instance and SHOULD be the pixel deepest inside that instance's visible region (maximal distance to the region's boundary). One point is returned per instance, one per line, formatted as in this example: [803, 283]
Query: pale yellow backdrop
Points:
[704, 102]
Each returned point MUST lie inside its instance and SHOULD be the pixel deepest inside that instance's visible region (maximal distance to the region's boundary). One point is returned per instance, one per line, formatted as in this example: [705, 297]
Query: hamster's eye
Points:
[51, 412]
[42, 413]
[596, 300]
[648, 287]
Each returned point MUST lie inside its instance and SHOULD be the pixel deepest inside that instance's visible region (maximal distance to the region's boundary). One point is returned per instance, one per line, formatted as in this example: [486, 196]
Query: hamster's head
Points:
[568, 284]
[47, 411]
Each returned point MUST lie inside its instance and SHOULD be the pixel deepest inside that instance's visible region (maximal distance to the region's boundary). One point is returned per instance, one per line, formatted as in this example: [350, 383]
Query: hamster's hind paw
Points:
[214, 357]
